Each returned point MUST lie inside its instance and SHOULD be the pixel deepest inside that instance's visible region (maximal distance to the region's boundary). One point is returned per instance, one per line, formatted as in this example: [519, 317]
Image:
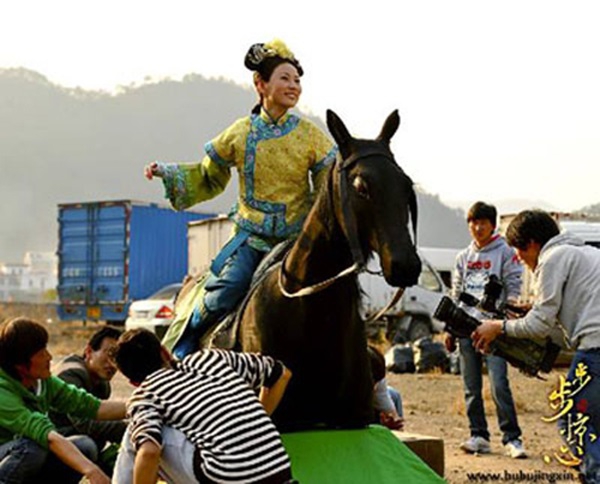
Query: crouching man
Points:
[31, 449]
[93, 371]
[567, 294]
[200, 419]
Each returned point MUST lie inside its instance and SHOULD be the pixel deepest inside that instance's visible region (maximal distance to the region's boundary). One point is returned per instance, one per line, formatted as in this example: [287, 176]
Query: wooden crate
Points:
[429, 449]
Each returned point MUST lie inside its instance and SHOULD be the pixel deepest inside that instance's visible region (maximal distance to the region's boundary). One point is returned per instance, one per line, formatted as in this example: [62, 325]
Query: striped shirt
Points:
[210, 396]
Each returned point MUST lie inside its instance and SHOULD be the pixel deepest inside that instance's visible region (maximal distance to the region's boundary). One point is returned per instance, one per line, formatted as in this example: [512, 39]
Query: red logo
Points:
[479, 264]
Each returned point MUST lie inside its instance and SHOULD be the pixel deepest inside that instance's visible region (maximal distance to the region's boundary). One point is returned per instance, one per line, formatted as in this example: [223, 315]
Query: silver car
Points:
[154, 313]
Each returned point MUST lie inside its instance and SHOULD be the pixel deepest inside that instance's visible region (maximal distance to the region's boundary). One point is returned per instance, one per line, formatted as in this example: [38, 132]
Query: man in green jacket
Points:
[30, 446]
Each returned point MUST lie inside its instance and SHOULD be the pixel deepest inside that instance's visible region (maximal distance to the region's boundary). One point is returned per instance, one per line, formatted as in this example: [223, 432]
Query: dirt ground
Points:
[433, 405]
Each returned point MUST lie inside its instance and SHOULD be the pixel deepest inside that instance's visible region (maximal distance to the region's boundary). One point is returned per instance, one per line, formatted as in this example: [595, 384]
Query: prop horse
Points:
[305, 310]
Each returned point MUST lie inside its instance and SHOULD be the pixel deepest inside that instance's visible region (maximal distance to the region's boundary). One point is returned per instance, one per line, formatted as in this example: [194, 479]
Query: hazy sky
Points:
[498, 100]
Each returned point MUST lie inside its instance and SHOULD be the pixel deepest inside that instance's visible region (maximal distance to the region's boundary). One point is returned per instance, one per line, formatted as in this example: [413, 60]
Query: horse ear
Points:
[338, 130]
[389, 127]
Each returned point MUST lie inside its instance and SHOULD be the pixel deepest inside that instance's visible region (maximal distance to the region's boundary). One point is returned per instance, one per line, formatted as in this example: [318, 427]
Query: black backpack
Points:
[400, 359]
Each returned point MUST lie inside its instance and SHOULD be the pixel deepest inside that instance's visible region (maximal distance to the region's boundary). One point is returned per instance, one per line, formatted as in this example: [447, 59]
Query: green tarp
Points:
[364, 456]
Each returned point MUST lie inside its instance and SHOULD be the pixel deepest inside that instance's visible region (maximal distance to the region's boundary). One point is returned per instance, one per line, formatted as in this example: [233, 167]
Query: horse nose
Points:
[405, 273]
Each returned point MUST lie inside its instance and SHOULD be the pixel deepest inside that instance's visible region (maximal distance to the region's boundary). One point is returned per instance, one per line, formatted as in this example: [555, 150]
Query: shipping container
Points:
[111, 253]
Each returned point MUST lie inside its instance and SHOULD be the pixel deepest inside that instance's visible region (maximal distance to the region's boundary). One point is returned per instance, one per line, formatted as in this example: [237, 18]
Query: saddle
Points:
[224, 334]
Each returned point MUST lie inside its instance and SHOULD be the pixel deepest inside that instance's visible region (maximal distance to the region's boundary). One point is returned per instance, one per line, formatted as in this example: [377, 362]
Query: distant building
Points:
[30, 280]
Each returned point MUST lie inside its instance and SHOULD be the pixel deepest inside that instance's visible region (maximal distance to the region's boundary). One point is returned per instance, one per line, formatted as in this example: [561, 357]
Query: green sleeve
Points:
[66, 398]
[17, 420]
[187, 184]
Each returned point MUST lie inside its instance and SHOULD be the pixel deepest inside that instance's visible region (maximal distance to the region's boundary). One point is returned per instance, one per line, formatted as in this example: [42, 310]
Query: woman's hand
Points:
[150, 170]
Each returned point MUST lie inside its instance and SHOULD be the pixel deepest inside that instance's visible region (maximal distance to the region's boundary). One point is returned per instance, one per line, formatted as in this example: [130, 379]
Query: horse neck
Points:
[321, 250]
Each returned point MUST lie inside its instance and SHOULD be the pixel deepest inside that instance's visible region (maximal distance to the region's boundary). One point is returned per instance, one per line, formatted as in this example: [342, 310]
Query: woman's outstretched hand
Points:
[150, 170]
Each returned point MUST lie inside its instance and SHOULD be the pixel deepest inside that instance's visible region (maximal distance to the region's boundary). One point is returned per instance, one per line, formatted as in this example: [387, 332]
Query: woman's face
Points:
[282, 91]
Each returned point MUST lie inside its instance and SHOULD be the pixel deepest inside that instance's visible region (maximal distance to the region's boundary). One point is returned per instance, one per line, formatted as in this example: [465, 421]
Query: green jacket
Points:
[24, 413]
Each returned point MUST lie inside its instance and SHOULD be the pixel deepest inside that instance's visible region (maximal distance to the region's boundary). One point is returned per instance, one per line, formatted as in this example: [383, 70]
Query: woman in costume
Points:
[275, 153]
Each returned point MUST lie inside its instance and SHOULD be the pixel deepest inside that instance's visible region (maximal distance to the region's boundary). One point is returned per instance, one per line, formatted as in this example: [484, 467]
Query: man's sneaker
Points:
[476, 445]
[515, 449]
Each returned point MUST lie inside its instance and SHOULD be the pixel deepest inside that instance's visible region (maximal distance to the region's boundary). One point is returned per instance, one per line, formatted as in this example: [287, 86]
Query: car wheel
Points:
[418, 328]
[394, 332]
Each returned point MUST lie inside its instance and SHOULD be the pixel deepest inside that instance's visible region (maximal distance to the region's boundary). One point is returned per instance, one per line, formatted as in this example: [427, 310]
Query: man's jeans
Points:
[24, 461]
[176, 460]
[21, 461]
[471, 362]
[396, 400]
[587, 402]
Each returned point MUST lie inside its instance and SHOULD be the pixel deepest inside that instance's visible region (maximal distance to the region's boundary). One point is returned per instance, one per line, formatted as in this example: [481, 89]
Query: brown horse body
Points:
[363, 209]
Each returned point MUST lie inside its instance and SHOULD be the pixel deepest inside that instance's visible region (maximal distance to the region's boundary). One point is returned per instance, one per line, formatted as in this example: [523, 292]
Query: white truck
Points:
[411, 318]
[205, 240]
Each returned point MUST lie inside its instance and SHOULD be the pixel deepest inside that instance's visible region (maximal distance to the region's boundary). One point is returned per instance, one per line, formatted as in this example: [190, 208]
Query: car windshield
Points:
[167, 292]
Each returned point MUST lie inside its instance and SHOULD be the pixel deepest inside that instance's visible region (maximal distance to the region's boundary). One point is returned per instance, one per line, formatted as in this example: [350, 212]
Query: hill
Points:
[62, 145]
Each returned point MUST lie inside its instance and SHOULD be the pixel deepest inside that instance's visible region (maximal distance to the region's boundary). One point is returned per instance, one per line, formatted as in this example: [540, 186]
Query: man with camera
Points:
[486, 256]
[567, 295]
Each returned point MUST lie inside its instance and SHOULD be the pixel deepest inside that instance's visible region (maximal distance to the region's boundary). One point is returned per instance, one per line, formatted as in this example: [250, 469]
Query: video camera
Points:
[527, 355]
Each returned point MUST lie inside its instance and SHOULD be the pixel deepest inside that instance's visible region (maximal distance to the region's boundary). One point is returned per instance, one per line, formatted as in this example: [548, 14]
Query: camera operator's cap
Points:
[275, 50]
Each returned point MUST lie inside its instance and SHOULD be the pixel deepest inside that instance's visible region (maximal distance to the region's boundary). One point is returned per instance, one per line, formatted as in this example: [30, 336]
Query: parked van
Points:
[412, 317]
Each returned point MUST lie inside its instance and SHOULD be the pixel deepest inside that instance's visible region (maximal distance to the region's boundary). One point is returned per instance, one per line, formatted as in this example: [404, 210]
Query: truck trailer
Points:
[111, 253]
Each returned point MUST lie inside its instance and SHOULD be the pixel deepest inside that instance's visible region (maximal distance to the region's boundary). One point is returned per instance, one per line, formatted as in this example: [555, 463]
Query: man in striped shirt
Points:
[199, 419]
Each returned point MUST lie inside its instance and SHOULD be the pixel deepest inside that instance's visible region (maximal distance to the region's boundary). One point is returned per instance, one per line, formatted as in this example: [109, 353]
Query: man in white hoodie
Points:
[487, 255]
[567, 294]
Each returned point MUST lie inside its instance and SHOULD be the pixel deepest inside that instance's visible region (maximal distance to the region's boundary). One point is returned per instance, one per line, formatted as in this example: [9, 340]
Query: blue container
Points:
[114, 252]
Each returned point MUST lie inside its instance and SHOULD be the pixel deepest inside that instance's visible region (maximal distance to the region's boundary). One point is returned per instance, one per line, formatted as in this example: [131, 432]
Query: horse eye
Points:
[361, 187]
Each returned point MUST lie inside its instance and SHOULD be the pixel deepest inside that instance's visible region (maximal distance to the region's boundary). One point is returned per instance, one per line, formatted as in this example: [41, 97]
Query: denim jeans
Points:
[21, 460]
[471, 362]
[222, 292]
[25, 461]
[176, 459]
[225, 290]
[396, 400]
[587, 401]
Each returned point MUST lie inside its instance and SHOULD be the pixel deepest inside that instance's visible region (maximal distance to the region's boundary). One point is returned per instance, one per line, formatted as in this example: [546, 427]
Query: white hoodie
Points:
[566, 284]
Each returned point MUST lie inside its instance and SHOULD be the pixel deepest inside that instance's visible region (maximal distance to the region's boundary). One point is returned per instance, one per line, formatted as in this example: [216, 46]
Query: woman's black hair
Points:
[264, 64]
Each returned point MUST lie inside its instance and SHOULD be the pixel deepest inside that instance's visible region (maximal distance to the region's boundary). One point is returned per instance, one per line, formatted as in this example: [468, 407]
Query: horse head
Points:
[373, 199]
